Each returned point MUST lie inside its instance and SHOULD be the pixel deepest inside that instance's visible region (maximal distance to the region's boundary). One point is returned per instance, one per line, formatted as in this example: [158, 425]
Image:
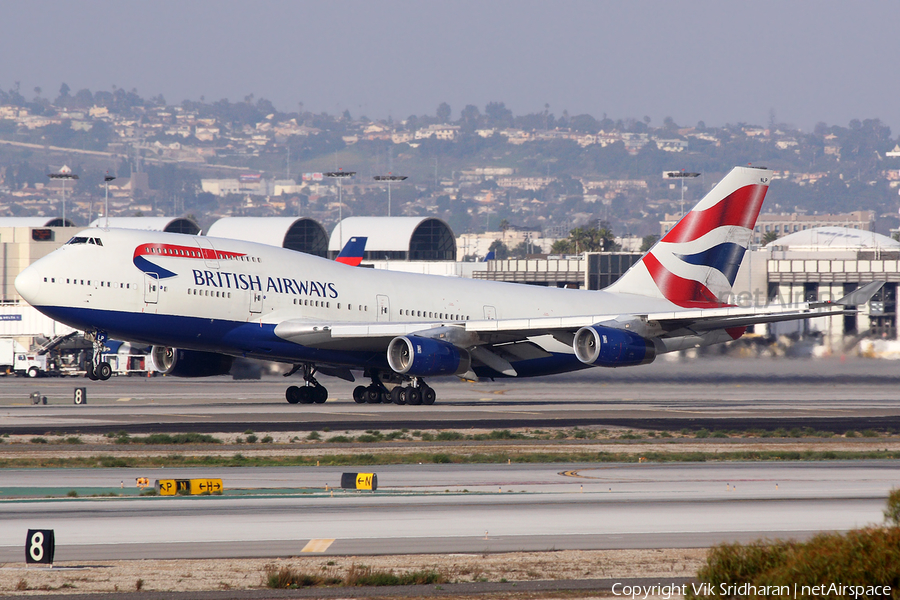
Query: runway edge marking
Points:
[319, 545]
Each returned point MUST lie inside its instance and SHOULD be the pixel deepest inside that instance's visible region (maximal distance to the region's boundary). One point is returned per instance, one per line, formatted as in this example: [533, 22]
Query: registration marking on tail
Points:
[317, 545]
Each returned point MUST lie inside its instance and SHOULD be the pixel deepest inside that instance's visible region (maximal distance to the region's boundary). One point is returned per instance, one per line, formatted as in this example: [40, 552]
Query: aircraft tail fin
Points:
[352, 252]
[696, 262]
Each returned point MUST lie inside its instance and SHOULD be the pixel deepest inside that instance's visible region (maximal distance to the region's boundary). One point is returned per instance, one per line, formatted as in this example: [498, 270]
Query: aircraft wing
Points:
[329, 335]
[488, 341]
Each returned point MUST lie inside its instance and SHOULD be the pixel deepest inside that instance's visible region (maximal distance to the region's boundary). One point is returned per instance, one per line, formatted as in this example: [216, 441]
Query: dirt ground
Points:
[242, 574]
[289, 444]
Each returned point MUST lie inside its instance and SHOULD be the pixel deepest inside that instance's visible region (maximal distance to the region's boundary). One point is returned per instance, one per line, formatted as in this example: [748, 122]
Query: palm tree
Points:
[770, 236]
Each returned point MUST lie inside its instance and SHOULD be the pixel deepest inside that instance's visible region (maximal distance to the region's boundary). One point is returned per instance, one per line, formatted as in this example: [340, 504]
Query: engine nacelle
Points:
[190, 363]
[608, 347]
[421, 356]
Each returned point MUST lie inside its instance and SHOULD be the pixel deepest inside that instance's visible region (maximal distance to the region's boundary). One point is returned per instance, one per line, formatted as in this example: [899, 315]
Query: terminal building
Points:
[824, 264]
[22, 242]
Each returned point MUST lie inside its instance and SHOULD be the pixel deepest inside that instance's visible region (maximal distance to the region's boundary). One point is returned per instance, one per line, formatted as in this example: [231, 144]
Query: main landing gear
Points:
[417, 392]
[97, 369]
[311, 392]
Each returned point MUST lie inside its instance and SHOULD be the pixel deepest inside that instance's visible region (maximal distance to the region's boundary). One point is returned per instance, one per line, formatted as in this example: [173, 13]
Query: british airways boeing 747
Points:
[202, 301]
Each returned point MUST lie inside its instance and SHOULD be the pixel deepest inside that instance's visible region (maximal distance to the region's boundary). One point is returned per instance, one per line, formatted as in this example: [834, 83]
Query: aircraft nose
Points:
[28, 284]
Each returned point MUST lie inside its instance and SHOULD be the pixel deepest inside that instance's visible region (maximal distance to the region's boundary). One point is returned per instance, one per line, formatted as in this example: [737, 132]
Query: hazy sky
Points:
[722, 62]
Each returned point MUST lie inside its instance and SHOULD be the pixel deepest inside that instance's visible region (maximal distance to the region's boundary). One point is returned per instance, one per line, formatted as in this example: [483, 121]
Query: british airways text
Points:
[281, 285]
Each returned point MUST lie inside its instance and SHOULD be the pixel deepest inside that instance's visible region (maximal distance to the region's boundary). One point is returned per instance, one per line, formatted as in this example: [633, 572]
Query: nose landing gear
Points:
[97, 369]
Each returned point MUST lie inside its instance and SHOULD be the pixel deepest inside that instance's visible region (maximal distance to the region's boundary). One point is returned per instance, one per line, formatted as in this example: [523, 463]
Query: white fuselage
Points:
[227, 296]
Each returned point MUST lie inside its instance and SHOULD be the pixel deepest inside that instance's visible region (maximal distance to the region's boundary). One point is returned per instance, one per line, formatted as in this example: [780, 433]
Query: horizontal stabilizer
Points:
[861, 295]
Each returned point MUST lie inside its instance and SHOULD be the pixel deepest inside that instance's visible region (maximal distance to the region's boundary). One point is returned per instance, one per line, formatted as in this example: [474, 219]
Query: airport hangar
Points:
[821, 263]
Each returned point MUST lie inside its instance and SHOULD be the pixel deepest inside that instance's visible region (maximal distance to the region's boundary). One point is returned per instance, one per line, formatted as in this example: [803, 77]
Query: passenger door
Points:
[383, 307]
[151, 288]
[256, 301]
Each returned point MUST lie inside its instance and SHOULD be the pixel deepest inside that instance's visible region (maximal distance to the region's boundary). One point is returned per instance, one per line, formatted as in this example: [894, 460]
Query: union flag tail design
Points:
[695, 263]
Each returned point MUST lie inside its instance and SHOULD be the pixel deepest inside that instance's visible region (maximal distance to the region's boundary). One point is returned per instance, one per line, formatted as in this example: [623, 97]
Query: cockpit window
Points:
[85, 240]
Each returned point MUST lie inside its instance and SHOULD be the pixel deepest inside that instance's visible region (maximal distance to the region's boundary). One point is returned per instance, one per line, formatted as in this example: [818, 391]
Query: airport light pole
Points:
[106, 179]
[64, 174]
[390, 178]
[340, 175]
[682, 175]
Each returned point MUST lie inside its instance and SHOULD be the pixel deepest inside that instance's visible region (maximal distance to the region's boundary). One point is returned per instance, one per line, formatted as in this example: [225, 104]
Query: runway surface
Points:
[448, 508]
[830, 394]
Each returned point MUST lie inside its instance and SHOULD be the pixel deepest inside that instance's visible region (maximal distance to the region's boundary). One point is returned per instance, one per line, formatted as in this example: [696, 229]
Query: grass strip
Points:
[240, 460]
[358, 575]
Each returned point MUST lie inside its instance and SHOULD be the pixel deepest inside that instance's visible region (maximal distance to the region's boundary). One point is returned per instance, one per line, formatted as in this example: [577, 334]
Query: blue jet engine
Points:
[421, 356]
[608, 347]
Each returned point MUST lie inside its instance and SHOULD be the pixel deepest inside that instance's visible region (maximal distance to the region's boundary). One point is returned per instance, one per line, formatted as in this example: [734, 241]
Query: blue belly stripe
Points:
[254, 341]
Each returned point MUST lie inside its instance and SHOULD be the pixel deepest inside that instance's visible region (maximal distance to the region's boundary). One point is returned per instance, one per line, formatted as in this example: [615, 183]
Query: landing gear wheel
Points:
[306, 395]
[428, 395]
[413, 395]
[398, 395]
[89, 372]
[373, 395]
[292, 394]
[387, 396]
[319, 394]
[103, 371]
[359, 394]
